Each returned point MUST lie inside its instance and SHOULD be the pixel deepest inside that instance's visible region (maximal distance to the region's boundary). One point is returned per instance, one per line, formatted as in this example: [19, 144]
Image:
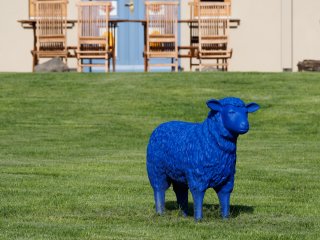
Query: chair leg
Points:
[147, 67]
[107, 63]
[79, 65]
[109, 56]
[66, 60]
[190, 59]
[113, 64]
[113, 60]
[173, 68]
[35, 61]
[176, 65]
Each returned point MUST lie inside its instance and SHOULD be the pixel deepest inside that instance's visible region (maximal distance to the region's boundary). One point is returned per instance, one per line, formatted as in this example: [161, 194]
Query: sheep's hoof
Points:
[225, 218]
[160, 213]
[198, 220]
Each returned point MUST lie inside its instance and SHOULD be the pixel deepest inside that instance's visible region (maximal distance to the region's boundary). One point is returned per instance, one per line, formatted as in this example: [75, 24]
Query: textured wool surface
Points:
[193, 153]
[201, 155]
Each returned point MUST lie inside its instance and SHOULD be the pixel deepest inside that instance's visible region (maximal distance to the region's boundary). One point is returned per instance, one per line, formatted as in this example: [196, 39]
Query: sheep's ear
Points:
[214, 105]
[252, 107]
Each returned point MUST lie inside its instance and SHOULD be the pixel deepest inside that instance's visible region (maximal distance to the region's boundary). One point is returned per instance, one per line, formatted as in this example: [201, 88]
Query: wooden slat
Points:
[95, 52]
[220, 8]
[161, 30]
[163, 64]
[92, 65]
[163, 54]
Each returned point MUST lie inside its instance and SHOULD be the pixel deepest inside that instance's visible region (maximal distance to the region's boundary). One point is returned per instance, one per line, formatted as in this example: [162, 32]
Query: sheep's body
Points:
[195, 156]
[188, 153]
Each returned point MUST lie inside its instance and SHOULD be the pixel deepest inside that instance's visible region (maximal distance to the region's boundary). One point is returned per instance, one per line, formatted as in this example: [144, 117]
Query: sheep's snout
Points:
[235, 119]
[244, 127]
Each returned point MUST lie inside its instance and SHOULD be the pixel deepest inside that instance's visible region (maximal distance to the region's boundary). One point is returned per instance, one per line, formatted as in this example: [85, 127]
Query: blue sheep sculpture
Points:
[198, 156]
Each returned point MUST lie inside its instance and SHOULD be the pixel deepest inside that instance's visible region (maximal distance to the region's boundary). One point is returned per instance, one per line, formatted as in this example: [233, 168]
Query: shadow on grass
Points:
[212, 210]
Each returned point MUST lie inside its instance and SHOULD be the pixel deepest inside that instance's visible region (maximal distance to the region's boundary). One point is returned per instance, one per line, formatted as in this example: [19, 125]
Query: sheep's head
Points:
[233, 113]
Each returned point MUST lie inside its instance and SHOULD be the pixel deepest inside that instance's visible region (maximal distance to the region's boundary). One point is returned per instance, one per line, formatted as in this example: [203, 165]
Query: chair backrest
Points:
[162, 25]
[221, 11]
[93, 24]
[213, 25]
[51, 24]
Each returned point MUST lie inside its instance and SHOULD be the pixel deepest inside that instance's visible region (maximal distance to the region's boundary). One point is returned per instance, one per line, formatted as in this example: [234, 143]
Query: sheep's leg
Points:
[181, 191]
[224, 197]
[160, 194]
[159, 199]
[158, 180]
[197, 202]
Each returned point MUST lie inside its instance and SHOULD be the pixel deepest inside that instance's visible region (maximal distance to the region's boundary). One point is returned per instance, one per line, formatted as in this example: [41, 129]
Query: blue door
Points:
[130, 40]
[130, 36]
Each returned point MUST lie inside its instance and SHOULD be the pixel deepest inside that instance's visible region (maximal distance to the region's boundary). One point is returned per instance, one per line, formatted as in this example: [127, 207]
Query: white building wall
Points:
[256, 42]
[286, 35]
[273, 34]
[15, 42]
[306, 30]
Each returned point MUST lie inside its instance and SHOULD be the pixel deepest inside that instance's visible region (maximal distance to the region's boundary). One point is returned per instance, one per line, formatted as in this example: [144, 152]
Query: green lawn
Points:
[72, 155]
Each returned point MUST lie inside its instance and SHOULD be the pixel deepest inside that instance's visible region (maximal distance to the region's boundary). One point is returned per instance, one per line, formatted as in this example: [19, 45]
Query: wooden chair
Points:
[213, 22]
[161, 32]
[93, 35]
[51, 30]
